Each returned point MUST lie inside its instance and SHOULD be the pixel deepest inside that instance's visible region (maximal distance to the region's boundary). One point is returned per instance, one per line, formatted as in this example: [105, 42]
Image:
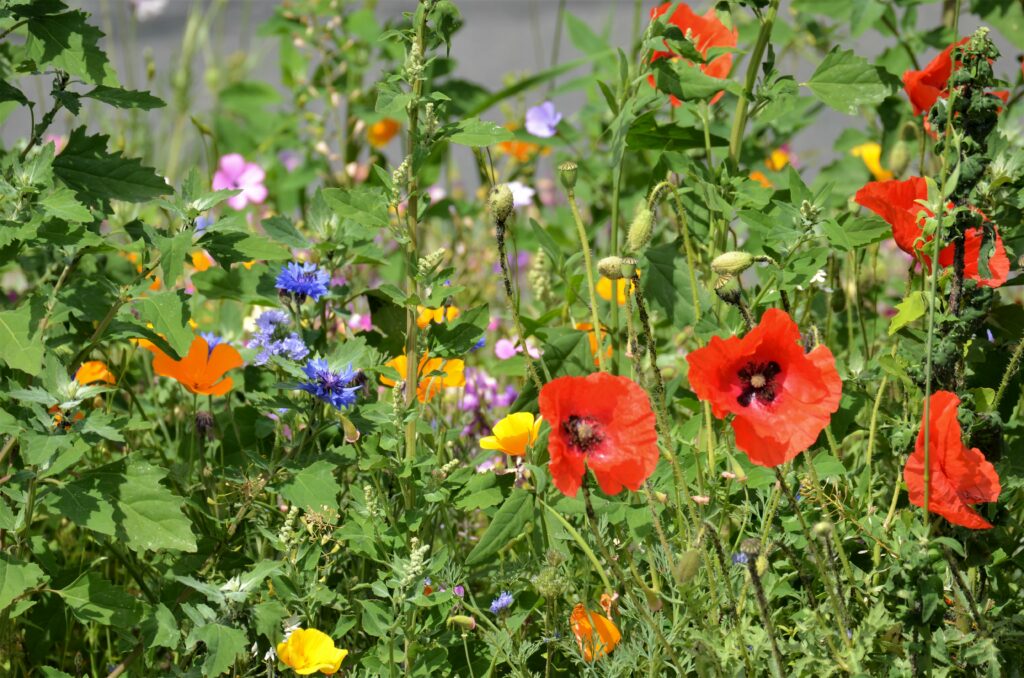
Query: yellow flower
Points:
[202, 261]
[778, 159]
[871, 154]
[429, 386]
[436, 315]
[92, 371]
[513, 434]
[604, 289]
[382, 131]
[307, 651]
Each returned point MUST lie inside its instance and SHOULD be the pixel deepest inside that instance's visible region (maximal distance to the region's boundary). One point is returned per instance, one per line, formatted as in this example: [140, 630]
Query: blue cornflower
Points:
[303, 280]
[502, 602]
[330, 387]
[740, 558]
[273, 338]
[479, 345]
[212, 339]
[202, 223]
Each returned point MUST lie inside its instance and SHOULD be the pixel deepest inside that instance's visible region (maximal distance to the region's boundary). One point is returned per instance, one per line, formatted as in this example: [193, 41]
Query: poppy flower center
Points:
[758, 381]
[584, 432]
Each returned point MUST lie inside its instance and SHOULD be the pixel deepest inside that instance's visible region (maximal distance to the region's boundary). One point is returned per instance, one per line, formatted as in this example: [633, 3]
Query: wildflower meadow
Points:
[319, 357]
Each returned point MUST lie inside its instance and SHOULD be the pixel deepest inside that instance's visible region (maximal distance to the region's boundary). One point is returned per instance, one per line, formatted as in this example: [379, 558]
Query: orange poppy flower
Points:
[592, 337]
[595, 634]
[382, 131]
[202, 370]
[435, 315]
[429, 386]
[522, 151]
[92, 371]
[202, 261]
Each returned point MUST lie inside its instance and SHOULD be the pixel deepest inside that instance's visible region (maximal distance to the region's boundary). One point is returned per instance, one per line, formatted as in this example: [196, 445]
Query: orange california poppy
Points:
[522, 151]
[435, 315]
[92, 371]
[595, 634]
[202, 370]
[429, 386]
[592, 337]
[202, 261]
[382, 131]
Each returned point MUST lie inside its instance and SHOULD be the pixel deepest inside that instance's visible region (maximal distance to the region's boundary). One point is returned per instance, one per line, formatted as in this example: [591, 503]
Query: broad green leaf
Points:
[223, 646]
[646, 133]
[375, 620]
[124, 98]
[665, 280]
[173, 251]
[98, 175]
[231, 246]
[94, 599]
[313, 487]
[69, 43]
[61, 204]
[19, 347]
[168, 311]
[910, 309]
[9, 92]
[16, 578]
[509, 521]
[845, 82]
[476, 132]
[283, 231]
[366, 205]
[7, 519]
[855, 232]
[455, 338]
[687, 82]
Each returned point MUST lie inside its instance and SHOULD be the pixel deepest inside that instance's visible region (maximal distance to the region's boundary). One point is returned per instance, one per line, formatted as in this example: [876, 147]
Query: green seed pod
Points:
[463, 621]
[732, 263]
[686, 567]
[500, 203]
[567, 174]
[899, 157]
[640, 230]
[610, 267]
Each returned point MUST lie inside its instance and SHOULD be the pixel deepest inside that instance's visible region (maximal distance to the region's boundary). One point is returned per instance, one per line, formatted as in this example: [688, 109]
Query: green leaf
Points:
[666, 283]
[127, 501]
[19, 347]
[9, 92]
[313, 487]
[97, 175]
[61, 204]
[173, 251]
[94, 599]
[508, 522]
[908, 310]
[375, 619]
[455, 338]
[855, 232]
[169, 313]
[283, 231]
[687, 82]
[125, 98]
[69, 43]
[17, 577]
[364, 204]
[476, 132]
[845, 82]
[646, 133]
[223, 646]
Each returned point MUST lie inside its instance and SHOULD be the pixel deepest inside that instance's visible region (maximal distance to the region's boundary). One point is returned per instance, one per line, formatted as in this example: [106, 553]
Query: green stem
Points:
[739, 121]
[589, 266]
[1011, 369]
[578, 538]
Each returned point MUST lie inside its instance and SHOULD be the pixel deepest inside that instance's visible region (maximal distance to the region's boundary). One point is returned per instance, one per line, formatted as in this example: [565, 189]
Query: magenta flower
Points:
[542, 121]
[235, 173]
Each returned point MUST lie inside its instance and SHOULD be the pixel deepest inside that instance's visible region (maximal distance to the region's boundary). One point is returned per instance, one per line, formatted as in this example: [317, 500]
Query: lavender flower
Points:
[502, 602]
[330, 387]
[740, 558]
[459, 590]
[542, 120]
[272, 338]
[303, 280]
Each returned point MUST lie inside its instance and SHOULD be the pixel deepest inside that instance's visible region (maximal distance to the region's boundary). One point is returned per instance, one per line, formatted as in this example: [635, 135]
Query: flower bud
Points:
[899, 157]
[567, 174]
[750, 547]
[641, 229]
[732, 263]
[822, 529]
[464, 621]
[500, 203]
[204, 424]
[686, 567]
[610, 267]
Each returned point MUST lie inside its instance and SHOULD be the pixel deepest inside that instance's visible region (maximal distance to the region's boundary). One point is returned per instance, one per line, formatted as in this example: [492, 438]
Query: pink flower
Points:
[235, 173]
[505, 349]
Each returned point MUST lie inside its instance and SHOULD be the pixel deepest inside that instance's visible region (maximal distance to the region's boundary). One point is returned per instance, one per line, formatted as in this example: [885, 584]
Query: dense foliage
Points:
[385, 372]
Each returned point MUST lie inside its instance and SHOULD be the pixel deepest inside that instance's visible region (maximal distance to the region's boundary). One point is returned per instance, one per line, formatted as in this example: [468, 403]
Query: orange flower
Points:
[595, 634]
[382, 131]
[202, 370]
[592, 336]
[429, 386]
[435, 315]
[60, 422]
[522, 151]
[92, 371]
[202, 261]
[759, 177]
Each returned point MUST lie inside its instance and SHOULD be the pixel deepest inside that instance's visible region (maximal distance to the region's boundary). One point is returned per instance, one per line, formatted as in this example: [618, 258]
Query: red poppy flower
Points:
[706, 32]
[602, 421]
[959, 476]
[926, 86]
[896, 202]
[782, 397]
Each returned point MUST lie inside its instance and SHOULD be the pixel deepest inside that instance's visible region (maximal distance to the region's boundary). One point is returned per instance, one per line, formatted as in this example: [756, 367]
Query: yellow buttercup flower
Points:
[871, 154]
[382, 131]
[513, 434]
[307, 651]
[604, 289]
[435, 315]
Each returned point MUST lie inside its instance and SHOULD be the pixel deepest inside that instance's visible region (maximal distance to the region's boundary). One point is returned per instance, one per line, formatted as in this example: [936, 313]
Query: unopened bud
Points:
[204, 424]
[641, 229]
[899, 157]
[750, 547]
[610, 267]
[732, 263]
[567, 174]
[686, 567]
[822, 529]
[464, 621]
[500, 203]
[351, 432]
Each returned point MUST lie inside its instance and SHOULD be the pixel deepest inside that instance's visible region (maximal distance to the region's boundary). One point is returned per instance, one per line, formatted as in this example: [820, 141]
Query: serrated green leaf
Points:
[475, 132]
[17, 577]
[97, 175]
[223, 646]
[283, 231]
[124, 98]
[366, 205]
[455, 338]
[61, 204]
[855, 232]
[313, 487]
[509, 521]
[94, 599]
[687, 81]
[173, 251]
[910, 309]
[19, 347]
[646, 133]
[69, 43]
[845, 82]
[169, 313]
[666, 283]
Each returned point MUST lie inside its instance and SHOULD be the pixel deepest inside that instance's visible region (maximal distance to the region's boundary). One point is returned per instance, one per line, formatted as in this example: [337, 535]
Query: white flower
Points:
[147, 9]
[522, 195]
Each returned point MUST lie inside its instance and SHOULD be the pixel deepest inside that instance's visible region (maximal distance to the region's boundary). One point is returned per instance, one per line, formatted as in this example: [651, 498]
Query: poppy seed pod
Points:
[641, 229]
[466, 622]
[567, 174]
[500, 203]
[686, 567]
[732, 263]
[610, 267]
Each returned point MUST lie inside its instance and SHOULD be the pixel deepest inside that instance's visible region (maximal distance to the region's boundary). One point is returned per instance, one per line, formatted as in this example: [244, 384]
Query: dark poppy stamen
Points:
[758, 380]
[583, 432]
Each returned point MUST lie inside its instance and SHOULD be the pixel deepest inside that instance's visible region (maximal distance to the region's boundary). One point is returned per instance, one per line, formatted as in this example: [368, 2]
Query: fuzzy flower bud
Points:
[500, 203]
[610, 267]
[464, 621]
[641, 229]
[732, 263]
[428, 263]
[686, 567]
[822, 529]
[567, 174]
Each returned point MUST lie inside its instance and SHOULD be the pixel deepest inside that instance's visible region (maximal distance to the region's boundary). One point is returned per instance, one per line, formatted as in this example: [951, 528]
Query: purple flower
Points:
[542, 121]
[273, 338]
[203, 222]
[522, 262]
[212, 339]
[740, 558]
[330, 387]
[303, 280]
[502, 602]
[522, 195]
[479, 344]
[235, 173]
[290, 159]
[505, 349]
[459, 590]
